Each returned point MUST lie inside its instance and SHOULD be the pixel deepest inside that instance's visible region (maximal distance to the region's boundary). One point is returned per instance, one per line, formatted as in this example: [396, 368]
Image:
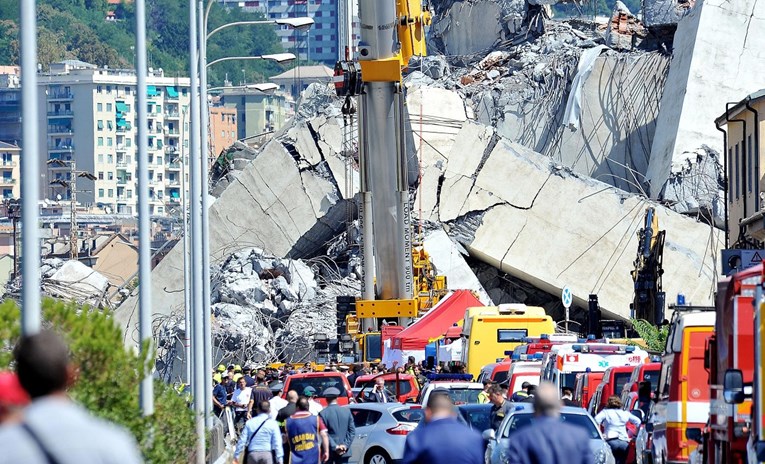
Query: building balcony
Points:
[173, 201]
[121, 181]
[60, 95]
[61, 113]
[174, 166]
[172, 132]
[60, 130]
[171, 149]
[8, 164]
[173, 183]
[60, 147]
[122, 198]
[4, 181]
[124, 129]
[121, 165]
[171, 115]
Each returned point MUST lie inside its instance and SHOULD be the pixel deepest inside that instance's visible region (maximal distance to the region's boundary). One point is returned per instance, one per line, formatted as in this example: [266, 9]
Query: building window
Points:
[738, 168]
[109, 125]
[100, 124]
[110, 159]
[160, 210]
[98, 89]
[318, 14]
[100, 158]
[127, 90]
[99, 106]
[100, 174]
[750, 164]
[108, 107]
[110, 175]
[108, 89]
[109, 141]
[130, 194]
[111, 193]
[730, 163]
[100, 193]
[128, 142]
[100, 141]
[319, 50]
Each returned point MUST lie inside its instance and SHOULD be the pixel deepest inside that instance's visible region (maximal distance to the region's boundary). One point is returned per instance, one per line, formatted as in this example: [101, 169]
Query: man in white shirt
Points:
[239, 401]
[277, 402]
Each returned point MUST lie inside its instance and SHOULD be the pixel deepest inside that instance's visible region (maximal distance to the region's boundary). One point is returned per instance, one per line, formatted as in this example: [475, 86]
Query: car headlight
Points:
[603, 454]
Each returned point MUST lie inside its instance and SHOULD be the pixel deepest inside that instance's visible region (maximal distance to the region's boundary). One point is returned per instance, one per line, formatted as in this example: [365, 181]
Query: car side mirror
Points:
[693, 433]
[639, 414]
[733, 386]
[488, 435]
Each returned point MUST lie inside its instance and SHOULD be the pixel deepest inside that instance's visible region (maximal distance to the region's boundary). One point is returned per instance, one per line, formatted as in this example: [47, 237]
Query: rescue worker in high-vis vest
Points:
[306, 436]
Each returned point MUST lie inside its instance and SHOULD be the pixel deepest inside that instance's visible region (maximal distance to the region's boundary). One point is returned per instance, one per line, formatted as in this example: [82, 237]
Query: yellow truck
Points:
[492, 330]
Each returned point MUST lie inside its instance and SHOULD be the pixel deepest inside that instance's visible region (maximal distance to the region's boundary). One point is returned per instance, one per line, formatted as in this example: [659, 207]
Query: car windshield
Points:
[620, 379]
[409, 415]
[320, 384]
[520, 420]
[500, 376]
[568, 380]
[653, 377]
[404, 386]
[464, 395]
[478, 418]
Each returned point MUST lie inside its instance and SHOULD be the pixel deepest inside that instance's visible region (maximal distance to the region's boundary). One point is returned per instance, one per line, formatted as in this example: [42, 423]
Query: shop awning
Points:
[122, 107]
[449, 311]
[171, 92]
[175, 194]
[151, 90]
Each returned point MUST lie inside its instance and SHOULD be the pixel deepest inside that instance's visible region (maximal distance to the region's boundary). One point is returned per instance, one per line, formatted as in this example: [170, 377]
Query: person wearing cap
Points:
[220, 397]
[53, 427]
[315, 407]
[340, 427]
[248, 377]
[13, 398]
[230, 370]
[228, 383]
[277, 402]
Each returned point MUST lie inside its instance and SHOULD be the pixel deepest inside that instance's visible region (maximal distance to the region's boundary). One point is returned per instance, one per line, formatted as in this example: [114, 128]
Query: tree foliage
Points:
[108, 378]
[77, 29]
[655, 337]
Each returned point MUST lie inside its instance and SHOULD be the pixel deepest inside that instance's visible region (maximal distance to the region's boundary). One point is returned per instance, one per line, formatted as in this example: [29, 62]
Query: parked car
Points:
[461, 392]
[381, 430]
[523, 415]
[320, 381]
[408, 388]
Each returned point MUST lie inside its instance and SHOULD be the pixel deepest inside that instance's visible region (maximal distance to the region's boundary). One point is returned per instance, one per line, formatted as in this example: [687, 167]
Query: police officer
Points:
[307, 436]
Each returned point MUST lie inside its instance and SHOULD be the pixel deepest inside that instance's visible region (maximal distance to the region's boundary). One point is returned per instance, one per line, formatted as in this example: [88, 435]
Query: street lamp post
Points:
[71, 184]
[200, 195]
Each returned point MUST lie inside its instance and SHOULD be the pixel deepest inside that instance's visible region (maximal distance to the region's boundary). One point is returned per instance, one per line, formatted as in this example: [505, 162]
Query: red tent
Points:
[436, 322]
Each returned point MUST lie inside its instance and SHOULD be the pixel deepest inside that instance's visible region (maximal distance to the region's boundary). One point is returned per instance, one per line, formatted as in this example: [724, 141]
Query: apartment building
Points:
[10, 104]
[257, 112]
[320, 43]
[743, 125]
[223, 132]
[88, 125]
[10, 171]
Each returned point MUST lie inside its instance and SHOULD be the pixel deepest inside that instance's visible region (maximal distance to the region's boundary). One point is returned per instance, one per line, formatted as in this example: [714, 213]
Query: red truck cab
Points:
[320, 381]
[585, 386]
[642, 373]
[408, 388]
[614, 379]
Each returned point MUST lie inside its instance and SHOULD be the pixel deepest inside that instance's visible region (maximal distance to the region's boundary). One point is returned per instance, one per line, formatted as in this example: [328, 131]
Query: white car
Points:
[461, 392]
[381, 430]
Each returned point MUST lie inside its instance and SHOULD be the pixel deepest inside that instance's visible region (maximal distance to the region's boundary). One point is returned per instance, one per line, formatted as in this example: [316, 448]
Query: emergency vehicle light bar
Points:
[465, 377]
[615, 349]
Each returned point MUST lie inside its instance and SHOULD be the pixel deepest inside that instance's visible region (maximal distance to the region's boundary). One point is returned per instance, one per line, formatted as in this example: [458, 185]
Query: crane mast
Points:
[391, 33]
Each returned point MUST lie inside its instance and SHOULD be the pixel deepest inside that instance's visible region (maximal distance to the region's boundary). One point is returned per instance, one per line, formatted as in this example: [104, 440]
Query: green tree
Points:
[109, 378]
[655, 337]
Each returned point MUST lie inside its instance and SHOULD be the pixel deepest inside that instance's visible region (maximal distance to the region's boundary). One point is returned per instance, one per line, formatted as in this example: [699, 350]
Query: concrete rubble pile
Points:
[68, 280]
[268, 307]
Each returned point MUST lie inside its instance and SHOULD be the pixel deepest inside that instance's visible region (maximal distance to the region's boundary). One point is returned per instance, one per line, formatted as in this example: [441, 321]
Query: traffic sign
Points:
[567, 297]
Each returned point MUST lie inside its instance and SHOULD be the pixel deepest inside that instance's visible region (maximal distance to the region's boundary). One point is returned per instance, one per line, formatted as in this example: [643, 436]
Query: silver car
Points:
[523, 415]
[381, 430]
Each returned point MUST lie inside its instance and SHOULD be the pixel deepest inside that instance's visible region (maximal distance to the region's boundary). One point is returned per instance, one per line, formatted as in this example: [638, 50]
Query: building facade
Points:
[89, 126]
[743, 125]
[223, 133]
[10, 171]
[10, 105]
[257, 112]
[320, 43]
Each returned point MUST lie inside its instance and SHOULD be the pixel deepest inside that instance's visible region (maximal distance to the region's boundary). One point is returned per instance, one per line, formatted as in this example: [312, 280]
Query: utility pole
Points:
[71, 184]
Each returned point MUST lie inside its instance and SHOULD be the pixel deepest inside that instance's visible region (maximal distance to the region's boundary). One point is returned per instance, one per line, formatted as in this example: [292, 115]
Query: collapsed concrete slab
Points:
[718, 58]
[548, 226]
[468, 27]
[271, 204]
